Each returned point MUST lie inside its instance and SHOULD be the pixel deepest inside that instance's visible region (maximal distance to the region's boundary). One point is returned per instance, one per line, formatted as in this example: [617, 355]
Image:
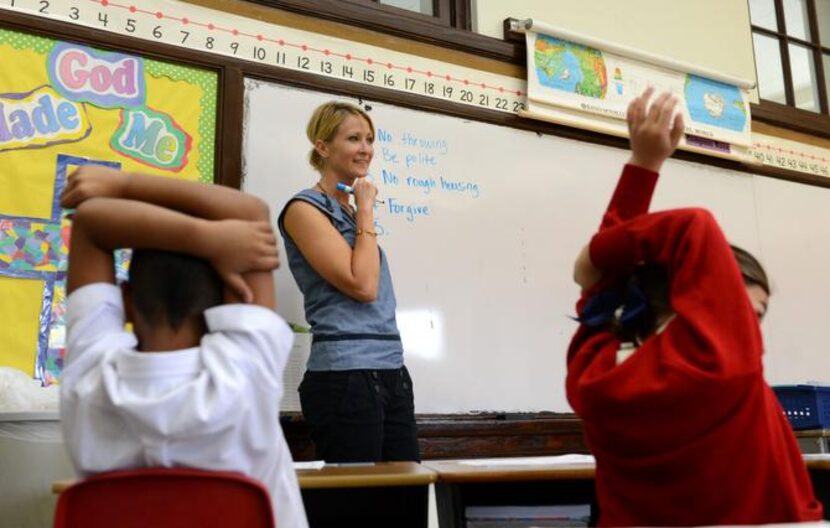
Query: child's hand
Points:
[585, 273]
[240, 246]
[91, 181]
[653, 134]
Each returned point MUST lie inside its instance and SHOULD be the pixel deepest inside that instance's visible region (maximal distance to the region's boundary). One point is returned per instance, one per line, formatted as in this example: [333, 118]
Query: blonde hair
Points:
[324, 123]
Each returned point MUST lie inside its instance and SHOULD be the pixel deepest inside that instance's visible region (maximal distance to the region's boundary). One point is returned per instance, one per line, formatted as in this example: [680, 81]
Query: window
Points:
[424, 7]
[792, 53]
[444, 23]
[402, 15]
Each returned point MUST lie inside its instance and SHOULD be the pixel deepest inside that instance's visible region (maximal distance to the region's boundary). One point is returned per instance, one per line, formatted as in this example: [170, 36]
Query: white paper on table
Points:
[562, 460]
[311, 464]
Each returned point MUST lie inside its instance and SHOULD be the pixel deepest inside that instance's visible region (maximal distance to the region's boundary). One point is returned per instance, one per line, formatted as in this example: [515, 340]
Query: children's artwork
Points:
[64, 105]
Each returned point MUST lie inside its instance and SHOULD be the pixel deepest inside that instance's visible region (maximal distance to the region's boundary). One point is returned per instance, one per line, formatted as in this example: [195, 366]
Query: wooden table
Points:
[817, 463]
[813, 440]
[379, 495]
[460, 485]
[366, 475]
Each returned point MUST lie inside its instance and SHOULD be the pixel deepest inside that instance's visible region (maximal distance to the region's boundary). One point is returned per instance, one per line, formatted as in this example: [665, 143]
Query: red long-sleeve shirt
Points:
[686, 431]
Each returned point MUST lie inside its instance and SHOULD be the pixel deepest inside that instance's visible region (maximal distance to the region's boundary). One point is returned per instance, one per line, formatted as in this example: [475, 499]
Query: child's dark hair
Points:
[169, 288]
[631, 305]
[644, 296]
[652, 281]
[751, 270]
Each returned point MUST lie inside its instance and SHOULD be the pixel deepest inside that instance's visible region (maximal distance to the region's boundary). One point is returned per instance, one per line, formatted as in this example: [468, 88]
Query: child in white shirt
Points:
[199, 383]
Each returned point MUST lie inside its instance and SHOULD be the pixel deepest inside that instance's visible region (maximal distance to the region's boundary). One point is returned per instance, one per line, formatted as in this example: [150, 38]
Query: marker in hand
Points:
[348, 189]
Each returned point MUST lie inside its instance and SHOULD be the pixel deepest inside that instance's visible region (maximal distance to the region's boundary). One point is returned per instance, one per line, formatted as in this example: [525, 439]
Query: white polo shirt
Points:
[212, 407]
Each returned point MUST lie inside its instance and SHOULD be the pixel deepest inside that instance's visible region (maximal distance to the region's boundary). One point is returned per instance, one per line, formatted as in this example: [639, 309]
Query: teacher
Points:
[356, 394]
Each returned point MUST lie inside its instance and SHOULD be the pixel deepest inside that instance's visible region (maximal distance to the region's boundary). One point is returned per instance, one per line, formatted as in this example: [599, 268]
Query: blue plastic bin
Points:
[806, 406]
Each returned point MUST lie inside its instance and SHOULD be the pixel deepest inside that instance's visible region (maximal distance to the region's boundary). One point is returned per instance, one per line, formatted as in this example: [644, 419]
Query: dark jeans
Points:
[361, 415]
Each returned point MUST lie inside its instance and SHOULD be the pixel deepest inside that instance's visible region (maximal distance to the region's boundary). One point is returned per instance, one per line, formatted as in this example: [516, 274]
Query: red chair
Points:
[165, 498]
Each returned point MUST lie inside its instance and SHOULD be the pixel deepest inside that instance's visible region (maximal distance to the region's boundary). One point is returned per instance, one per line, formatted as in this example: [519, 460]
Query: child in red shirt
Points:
[684, 428]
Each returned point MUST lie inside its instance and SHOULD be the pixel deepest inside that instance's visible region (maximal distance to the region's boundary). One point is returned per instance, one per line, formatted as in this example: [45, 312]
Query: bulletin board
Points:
[63, 105]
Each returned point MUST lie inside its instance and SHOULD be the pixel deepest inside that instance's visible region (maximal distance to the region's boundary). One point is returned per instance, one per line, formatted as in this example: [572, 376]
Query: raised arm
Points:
[355, 271]
[213, 202]
[220, 224]
[654, 135]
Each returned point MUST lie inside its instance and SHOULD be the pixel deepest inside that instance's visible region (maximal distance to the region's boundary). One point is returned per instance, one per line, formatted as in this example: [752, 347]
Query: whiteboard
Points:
[481, 225]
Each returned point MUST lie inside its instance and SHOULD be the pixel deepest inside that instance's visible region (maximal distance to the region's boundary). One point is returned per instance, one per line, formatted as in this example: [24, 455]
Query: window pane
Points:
[797, 18]
[823, 17]
[419, 6]
[827, 75]
[805, 87]
[762, 13]
[768, 65]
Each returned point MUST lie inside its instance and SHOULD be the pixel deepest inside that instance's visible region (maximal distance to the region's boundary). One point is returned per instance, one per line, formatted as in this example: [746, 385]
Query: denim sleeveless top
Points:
[347, 334]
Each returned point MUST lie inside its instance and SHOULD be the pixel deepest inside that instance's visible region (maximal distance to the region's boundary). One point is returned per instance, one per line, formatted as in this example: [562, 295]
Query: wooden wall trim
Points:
[792, 118]
[229, 129]
[762, 127]
[450, 436]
